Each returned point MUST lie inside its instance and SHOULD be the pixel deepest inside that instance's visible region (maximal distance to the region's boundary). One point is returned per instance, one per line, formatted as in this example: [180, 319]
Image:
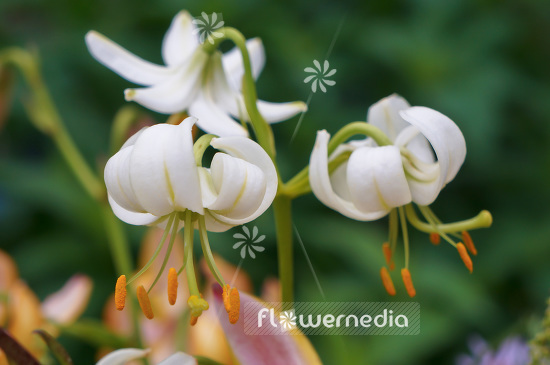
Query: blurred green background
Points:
[483, 63]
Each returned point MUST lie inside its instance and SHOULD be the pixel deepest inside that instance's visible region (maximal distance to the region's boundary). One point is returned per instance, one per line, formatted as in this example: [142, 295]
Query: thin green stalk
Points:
[282, 206]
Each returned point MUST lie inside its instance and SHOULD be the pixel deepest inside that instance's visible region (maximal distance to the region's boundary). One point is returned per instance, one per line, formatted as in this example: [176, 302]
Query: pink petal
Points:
[67, 304]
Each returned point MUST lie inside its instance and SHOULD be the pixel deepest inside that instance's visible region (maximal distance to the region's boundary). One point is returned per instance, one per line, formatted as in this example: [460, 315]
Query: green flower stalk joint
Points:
[157, 179]
[388, 172]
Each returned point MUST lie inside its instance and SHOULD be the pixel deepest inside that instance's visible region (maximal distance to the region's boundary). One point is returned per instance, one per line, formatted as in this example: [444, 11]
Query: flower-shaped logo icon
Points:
[207, 26]
[320, 75]
[287, 320]
[249, 240]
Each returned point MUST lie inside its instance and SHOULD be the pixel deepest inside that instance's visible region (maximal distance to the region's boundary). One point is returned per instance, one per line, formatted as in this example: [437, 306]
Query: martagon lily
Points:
[205, 84]
[157, 179]
[412, 154]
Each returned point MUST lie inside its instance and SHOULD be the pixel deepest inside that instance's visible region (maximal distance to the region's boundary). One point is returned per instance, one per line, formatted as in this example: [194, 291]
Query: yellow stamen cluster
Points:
[144, 302]
[172, 286]
[120, 292]
[197, 306]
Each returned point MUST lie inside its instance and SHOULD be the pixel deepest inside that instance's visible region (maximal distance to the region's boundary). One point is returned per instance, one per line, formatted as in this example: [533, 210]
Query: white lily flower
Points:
[156, 179]
[376, 179]
[123, 356]
[207, 86]
[155, 174]
[423, 151]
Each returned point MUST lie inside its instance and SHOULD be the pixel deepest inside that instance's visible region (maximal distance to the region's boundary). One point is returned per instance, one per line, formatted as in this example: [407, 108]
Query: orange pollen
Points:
[387, 255]
[435, 238]
[235, 306]
[386, 280]
[193, 320]
[144, 302]
[469, 243]
[465, 257]
[226, 299]
[120, 292]
[406, 275]
[172, 286]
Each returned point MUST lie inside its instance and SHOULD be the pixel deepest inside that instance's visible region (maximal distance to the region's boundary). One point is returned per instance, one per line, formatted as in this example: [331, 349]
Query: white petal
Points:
[179, 358]
[132, 140]
[213, 224]
[212, 119]
[130, 217]
[179, 41]
[240, 186]
[277, 112]
[124, 63]
[117, 180]
[322, 188]
[175, 94]
[163, 171]
[447, 141]
[339, 181]
[122, 356]
[385, 115]
[233, 62]
[68, 303]
[251, 152]
[376, 179]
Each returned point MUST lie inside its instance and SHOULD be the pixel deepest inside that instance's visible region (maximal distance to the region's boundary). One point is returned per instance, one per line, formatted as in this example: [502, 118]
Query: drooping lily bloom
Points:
[414, 153]
[157, 178]
[124, 356]
[206, 85]
[22, 312]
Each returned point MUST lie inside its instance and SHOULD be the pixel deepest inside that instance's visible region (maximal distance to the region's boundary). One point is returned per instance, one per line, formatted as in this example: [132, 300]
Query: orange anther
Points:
[387, 255]
[386, 280]
[435, 238]
[465, 257]
[144, 302]
[193, 320]
[406, 275]
[469, 243]
[225, 297]
[172, 286]
[235, 302]
[120, 292]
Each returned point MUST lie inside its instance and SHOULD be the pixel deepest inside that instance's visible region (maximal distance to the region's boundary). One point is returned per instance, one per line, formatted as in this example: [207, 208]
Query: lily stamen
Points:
[120, 292]
[467, 239]
[172, 286]
[144, 302]
[406, 276]
[465, 257]
[435, 238]
[386, 280]
[388, 255]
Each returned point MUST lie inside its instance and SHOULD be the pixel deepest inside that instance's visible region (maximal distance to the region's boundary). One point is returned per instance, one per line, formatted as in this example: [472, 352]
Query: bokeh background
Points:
[482, 63]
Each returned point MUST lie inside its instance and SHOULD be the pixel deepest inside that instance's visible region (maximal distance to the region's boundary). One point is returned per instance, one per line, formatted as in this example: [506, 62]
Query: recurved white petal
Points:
[176, 93]
[179, 358]
[130, 217]
[385, 115]
[233, 62]
[376, 179]
[447, 142]
[163, 171]
[212, 119]
[240, 186]
[321, 185]
[117, 180]
[278, 112]
[122, 356]
[124, 63]
[180, 41]
[250, 151]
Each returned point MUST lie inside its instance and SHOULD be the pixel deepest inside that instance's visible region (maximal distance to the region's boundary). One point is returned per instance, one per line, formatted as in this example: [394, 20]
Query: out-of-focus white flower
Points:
[155, 174]
[376, 179]
[123, 356]
[207, 86]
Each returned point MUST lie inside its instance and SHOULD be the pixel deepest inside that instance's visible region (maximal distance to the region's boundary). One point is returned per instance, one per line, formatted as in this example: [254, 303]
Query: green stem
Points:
[282, 206]
[207, 252]
[188, 230]
[44, 115]
[482, 220]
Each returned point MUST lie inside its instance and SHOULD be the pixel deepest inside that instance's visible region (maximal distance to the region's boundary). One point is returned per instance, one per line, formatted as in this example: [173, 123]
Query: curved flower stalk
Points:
[157, 179]
[21, 312]
[205, 84]
[412, 154]
[124, 356]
